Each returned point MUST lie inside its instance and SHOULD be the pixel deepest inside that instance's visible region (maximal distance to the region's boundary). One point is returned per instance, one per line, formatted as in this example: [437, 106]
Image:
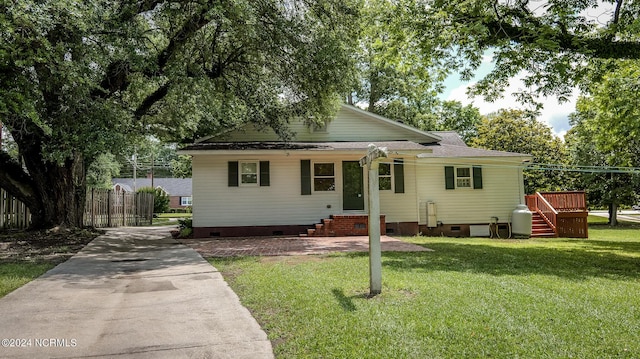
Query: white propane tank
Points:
[521, 222]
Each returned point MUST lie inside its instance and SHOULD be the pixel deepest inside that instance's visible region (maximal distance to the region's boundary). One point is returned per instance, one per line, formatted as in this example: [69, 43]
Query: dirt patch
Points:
[51, 245]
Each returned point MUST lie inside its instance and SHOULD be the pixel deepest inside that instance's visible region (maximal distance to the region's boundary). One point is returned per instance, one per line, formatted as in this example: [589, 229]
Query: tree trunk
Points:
[62, 193]
[55, 193]
[613, 214]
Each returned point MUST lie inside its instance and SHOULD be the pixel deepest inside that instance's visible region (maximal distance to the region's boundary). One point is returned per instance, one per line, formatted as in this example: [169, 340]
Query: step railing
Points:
[537, 203]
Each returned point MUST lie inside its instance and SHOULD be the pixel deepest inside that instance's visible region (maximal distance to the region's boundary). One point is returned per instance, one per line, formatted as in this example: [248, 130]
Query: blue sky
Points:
[555, 115]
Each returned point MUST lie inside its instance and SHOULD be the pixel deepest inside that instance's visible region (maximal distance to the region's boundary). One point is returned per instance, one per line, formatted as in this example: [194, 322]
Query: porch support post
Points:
[372, 161]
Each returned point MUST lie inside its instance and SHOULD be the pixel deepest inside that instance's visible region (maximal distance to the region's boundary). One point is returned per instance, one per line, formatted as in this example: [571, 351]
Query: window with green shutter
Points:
[248, 173]
[449, 178]
[233, 174]
[265, 179]
[305, 177]
[398, 174]
[477, 177]
[463, 177]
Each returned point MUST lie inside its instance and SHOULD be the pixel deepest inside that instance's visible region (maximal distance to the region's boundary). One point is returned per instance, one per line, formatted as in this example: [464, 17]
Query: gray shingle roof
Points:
[449, 138]
[173, 186]
[327, 146]
[445, 150]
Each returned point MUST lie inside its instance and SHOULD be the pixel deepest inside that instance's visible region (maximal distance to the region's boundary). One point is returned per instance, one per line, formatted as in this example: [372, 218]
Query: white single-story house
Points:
[249, 182]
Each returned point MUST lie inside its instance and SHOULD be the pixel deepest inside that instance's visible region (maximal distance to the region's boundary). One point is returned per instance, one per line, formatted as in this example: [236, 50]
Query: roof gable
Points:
[349, 124]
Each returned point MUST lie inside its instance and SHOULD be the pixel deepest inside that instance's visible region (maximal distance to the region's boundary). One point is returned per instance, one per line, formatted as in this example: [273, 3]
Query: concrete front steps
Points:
[540, 228]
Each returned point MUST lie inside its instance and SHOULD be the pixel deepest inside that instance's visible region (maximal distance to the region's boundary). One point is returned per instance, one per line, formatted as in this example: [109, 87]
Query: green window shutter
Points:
[305, 176]
[449, 178]
[233, 173]
[264, 173]
[398, 173]
[477, 177]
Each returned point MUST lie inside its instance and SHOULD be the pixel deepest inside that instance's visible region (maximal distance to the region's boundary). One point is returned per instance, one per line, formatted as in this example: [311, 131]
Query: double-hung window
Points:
[185, 201]
[324, 178]
[249, 173]
[384, 176]
[463, 177]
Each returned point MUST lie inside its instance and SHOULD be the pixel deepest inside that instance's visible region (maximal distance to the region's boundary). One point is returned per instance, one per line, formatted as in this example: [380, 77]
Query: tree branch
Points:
[16, 181]
[150, 100]
[190, 27]
[118, 72]
[602, 47]
[616, 14]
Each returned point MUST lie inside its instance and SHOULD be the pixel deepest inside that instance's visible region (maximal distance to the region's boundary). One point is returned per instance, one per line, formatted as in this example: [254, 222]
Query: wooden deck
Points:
[564, 212]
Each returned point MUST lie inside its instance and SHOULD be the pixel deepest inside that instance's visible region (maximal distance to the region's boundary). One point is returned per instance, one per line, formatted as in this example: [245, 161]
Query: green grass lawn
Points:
[469, 298]
[15, 275]
[164, 219]
[174, 215]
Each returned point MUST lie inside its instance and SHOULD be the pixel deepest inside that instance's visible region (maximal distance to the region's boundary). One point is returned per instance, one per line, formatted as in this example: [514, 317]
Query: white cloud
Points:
[553, 114]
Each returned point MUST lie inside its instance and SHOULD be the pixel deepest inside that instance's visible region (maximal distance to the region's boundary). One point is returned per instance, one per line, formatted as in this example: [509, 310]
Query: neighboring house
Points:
[178, 189]
[248, 182]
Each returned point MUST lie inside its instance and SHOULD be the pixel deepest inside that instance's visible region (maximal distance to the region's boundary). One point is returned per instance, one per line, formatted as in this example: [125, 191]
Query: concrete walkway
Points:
[132, 293]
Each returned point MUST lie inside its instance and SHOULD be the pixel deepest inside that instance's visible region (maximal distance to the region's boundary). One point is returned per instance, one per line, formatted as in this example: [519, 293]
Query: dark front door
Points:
[352, 191]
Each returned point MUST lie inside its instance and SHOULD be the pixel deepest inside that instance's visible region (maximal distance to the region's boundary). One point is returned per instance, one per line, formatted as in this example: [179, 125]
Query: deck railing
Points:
[565, 212]
[574, 201]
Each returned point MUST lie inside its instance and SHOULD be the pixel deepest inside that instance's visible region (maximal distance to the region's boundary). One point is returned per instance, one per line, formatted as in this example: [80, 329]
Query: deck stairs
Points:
[540, 228]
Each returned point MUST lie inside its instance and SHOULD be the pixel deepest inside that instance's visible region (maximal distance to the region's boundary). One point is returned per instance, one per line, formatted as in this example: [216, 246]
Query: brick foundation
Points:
[248, 231]
[402, 229]
[458, 230]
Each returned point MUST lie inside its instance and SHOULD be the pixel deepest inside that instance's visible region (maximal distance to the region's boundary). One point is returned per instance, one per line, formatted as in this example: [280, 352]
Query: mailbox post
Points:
[372, 161]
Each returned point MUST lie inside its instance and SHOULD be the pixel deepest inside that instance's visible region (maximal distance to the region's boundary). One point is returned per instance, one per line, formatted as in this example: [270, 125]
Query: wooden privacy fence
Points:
[107, 208]
[13, 213]
[104, 208]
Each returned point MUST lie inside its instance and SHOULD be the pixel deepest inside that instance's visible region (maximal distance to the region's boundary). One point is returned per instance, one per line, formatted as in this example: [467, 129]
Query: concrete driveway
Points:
[132, 293]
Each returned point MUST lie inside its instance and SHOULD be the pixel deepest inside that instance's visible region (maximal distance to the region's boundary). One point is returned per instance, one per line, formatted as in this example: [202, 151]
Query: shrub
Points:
[160, 199]
[186, 227]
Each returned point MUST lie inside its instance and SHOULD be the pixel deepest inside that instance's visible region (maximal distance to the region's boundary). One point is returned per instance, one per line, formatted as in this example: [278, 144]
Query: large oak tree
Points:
[78, 78]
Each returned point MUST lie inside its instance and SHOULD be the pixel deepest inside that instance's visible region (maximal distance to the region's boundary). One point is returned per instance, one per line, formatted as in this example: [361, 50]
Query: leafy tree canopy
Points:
[102, 170]
[78, 78]
[516, 131]
[398, 80]
[606, 132]
[549, 42]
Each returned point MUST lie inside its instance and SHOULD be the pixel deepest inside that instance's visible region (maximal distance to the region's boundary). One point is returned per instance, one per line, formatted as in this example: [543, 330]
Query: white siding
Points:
[281, 203]
[401, 207]
[502, 191]
[348, 125]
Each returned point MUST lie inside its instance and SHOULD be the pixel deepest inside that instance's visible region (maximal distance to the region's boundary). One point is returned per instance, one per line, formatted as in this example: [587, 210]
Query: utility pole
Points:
[372, 161]
[134, 159]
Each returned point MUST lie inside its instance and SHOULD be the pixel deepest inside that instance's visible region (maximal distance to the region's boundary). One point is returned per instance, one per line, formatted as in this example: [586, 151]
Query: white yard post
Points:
[375, 256]
[372, 161]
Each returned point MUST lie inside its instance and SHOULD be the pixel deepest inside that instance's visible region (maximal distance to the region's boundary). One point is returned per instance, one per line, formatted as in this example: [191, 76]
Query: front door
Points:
[352, 187]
